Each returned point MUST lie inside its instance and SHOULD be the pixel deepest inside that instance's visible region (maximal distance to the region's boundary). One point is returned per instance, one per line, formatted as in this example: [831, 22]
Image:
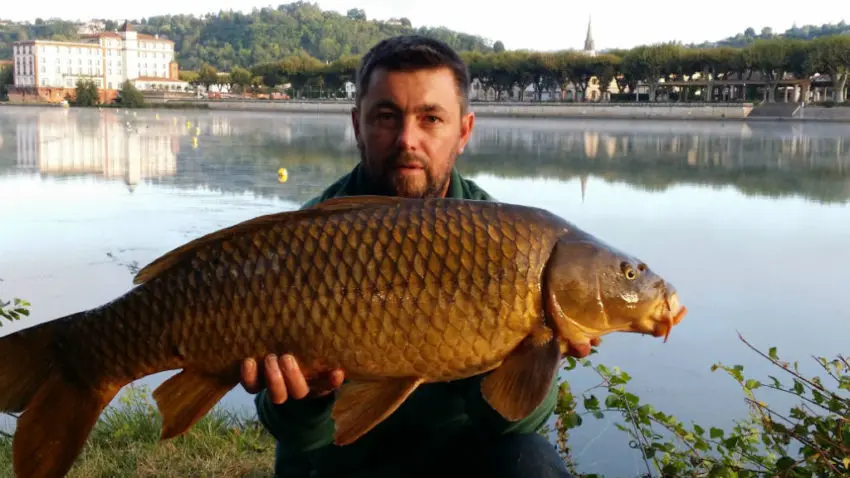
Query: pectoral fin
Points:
[520, 384]
[360, 406]
[185, 398]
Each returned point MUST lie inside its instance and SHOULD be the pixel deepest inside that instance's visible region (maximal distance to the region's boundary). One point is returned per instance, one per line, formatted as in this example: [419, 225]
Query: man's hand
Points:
[283, 378]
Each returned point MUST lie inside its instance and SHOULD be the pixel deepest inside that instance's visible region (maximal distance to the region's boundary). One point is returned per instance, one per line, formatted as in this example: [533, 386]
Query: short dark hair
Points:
[409, 53]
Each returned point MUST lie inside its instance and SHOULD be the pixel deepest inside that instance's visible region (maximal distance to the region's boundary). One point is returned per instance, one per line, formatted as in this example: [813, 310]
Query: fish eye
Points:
[628, 271]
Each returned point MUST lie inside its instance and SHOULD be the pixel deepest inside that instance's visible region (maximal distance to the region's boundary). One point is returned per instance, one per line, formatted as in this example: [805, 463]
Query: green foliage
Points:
[7, 78]
[129, 96]
[13, 310]
[86, 93]
[811, 440]
[807, 32]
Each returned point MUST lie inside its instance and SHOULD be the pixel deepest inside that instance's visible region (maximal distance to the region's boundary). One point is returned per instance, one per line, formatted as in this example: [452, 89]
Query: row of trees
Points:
[765, 60]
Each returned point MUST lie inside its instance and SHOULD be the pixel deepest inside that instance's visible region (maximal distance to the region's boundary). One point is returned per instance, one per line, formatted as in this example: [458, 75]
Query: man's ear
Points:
[355, 122]
[467, 122]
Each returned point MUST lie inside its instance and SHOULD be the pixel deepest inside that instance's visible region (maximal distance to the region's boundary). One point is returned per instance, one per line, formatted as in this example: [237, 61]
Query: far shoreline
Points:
[588, 111]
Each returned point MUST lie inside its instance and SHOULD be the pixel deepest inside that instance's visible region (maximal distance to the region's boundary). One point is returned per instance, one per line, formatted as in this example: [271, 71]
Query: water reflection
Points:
[58, 143]
[241, 151]
[766, 159]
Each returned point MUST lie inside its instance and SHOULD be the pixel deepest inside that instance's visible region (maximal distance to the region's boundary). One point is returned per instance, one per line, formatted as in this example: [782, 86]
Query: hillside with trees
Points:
[807, 32]
[229, 39]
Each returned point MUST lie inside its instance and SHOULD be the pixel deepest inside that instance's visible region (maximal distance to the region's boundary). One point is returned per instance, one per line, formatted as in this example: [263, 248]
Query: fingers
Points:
[249, 377]
[283, 379]
[275, 383]
[296, 384]
[328, 383]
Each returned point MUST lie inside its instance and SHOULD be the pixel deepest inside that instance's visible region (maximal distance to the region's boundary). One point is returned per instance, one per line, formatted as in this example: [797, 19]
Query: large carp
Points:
[396, 292]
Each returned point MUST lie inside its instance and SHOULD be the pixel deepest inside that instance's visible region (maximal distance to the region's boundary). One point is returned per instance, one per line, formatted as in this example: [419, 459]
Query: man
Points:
[411, 120]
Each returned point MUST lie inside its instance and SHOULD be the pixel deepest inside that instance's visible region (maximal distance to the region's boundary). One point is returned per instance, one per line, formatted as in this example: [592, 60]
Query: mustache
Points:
[406, 159]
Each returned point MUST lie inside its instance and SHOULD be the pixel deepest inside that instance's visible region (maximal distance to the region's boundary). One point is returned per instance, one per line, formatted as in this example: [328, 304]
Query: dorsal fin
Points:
[169, 259]
[353, 202]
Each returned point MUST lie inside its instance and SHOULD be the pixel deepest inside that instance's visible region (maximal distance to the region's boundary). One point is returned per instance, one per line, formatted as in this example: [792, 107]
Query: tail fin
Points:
[58, 415]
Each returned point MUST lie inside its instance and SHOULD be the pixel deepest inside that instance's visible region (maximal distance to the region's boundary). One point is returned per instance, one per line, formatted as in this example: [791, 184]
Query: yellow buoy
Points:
[194, 142]
[282, 175]
[188, 124]
[157, 116]
[197, 131]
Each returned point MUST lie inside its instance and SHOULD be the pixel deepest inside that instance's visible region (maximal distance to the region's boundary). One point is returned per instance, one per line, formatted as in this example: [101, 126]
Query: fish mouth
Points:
[669, 313]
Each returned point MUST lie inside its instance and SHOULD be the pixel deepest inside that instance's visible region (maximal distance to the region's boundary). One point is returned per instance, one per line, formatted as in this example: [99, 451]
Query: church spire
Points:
[589, 44]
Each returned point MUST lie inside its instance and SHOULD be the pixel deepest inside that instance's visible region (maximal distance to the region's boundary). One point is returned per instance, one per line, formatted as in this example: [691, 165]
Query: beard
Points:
[392, 179]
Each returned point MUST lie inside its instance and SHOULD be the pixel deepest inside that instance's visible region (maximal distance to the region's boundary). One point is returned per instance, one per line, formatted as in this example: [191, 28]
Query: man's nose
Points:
[409, 135]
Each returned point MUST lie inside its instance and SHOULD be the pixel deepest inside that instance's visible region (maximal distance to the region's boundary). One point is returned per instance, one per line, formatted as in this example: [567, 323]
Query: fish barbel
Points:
[395, 292]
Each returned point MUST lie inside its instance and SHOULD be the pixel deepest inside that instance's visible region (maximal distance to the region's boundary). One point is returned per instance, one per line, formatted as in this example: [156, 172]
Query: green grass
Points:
[125, 442]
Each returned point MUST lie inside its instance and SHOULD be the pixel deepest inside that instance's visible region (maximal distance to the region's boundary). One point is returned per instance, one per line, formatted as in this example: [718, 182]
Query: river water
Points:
[750, 221]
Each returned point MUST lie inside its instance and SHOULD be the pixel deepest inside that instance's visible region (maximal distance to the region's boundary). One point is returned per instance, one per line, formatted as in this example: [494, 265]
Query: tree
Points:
[300, 69]
[129, 96]
[831, 55]
[650, 63]
[86, 93]
[498, 47]
[773, 58]
[7, 79]
[241, 77]
[604, 68]
[207, 76]
[356, 14]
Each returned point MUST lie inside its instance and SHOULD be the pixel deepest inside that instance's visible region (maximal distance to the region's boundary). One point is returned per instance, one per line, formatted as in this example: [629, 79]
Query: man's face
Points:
[410, 129]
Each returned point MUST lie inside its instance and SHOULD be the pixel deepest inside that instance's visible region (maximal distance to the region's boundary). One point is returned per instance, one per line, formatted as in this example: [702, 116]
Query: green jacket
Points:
[434, 417]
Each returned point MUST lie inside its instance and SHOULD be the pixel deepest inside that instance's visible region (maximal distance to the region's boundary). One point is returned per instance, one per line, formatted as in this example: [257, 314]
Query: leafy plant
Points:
[13, 310]
[811, 440]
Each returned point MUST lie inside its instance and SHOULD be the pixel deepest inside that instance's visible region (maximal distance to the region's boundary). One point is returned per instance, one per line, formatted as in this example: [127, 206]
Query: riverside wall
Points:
[517, 110]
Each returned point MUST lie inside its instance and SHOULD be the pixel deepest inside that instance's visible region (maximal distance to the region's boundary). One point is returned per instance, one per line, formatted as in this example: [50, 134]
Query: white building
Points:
[106, 58]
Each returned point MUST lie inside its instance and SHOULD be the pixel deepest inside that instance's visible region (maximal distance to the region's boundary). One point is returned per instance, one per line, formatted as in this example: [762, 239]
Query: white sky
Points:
[539, 25]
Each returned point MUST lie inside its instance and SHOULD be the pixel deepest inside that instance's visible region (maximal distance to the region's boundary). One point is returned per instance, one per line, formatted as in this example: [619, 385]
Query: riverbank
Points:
[588, 111]
[125, 442]
[679, 111]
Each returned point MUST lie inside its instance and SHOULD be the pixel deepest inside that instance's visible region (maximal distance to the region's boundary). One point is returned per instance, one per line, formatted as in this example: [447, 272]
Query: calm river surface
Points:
[751, 222]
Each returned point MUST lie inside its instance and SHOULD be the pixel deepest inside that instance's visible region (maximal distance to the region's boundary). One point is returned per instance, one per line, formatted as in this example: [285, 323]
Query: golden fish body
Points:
[395, 292]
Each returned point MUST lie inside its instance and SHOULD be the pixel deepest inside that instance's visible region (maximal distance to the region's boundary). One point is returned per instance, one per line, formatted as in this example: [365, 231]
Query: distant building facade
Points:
[47, 70]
